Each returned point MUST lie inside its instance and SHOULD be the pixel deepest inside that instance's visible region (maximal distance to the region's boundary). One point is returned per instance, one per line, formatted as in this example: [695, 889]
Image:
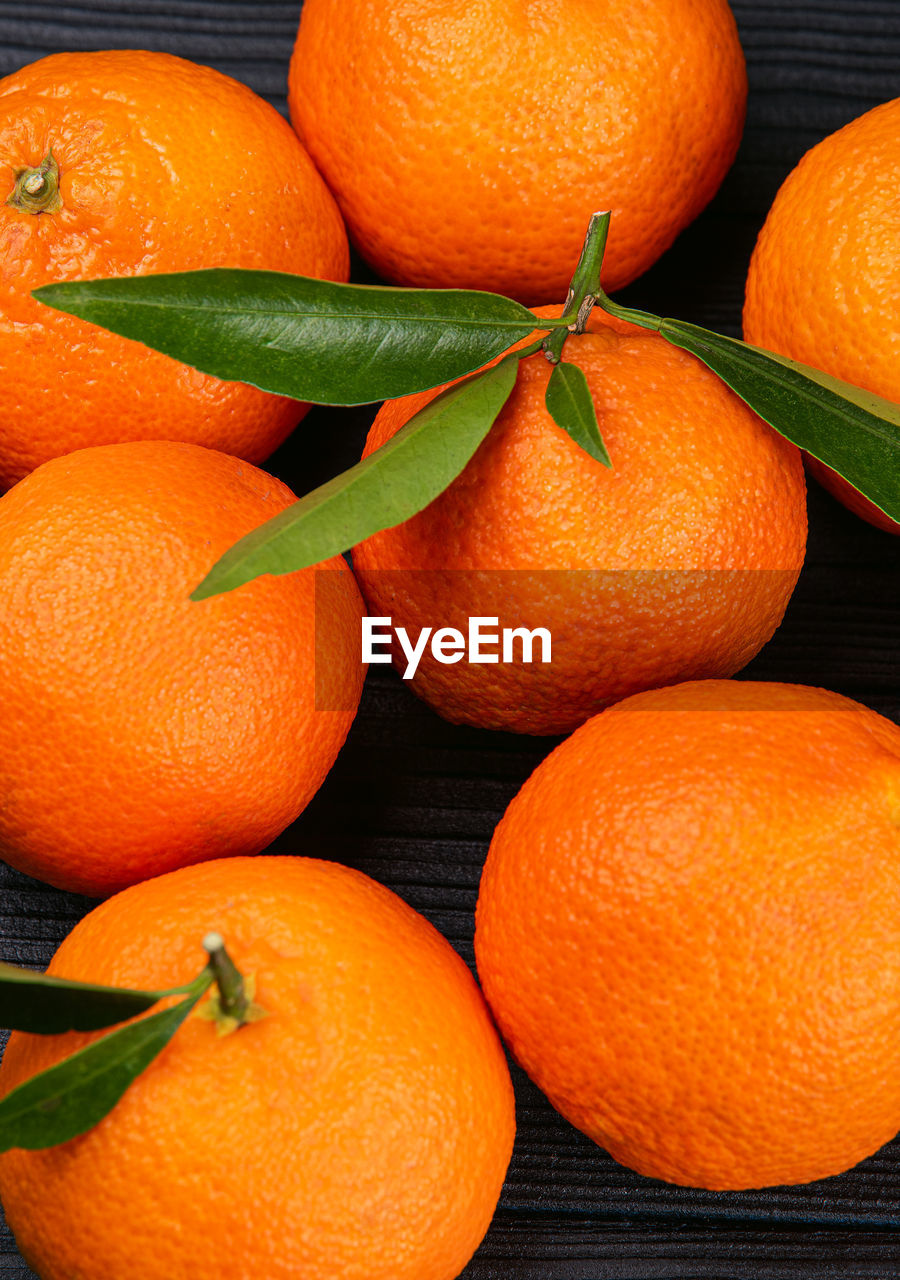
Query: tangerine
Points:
[468, 145]
[688, 930]
[821, 287]
[142, 731]
[142, 162]
[359, 1131]
[675, 563]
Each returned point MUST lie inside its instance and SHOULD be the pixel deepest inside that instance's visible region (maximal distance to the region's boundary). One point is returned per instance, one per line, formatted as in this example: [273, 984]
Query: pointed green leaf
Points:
[310, 339]
[383, 490]
[852, 431]
[71, 1097]
[571, 406]
[46, 1005]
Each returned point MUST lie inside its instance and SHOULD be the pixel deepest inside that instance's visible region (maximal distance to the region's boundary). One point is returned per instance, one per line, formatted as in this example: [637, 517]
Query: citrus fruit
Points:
[822, 281]
[688, 930]
[141, 730]
[468, 145]
[158, 165]
[359, 1131]
[676, 562]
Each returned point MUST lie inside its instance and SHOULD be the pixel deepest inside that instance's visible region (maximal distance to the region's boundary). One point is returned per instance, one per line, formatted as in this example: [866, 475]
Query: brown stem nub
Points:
[37, 189]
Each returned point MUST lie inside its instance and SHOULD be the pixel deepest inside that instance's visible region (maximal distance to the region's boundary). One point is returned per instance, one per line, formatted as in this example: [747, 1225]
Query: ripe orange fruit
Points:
[677, 562]
[142, 731]
[822, 281]
[688, 930]
[361, 1130]
[163, 166]
[468, 145]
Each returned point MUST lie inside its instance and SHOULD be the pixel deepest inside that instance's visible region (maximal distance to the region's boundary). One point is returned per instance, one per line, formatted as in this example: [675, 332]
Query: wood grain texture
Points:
[413, 800]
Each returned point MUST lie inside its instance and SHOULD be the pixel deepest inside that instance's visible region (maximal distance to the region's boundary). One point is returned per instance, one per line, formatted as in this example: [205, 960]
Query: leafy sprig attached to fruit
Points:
[68, 1099]
[351, 344]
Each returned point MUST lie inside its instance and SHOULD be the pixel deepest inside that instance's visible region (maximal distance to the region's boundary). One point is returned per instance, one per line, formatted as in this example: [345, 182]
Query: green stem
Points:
[233, 1001]
[553, 346]
[37, 189]
[586, 280]
[203, 980]
[645, 319]
[584, 288]
[524, 352]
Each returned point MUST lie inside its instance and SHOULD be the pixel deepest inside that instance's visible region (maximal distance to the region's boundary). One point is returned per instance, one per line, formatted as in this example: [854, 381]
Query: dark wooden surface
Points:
[413, 801]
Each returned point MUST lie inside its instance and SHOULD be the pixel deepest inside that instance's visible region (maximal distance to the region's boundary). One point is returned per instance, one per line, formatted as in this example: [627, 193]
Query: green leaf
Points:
[383, 490]
[46, 1005]
[852, 431]
[571, 406]
[71, 1097]
[310, 339]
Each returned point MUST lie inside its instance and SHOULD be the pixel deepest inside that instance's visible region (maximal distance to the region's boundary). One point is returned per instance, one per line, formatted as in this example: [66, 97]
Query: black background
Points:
[413, 801]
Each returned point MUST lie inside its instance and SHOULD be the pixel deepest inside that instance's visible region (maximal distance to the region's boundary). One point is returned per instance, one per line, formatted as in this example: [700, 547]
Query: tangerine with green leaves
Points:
[676, 562]
[467, 145]
[688, 930]
[821, 287]
[123, 163]
[142, 730]
[360, 1130]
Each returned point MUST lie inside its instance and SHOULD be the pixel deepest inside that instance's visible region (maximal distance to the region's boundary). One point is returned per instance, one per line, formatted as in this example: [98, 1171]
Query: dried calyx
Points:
[37, 188]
